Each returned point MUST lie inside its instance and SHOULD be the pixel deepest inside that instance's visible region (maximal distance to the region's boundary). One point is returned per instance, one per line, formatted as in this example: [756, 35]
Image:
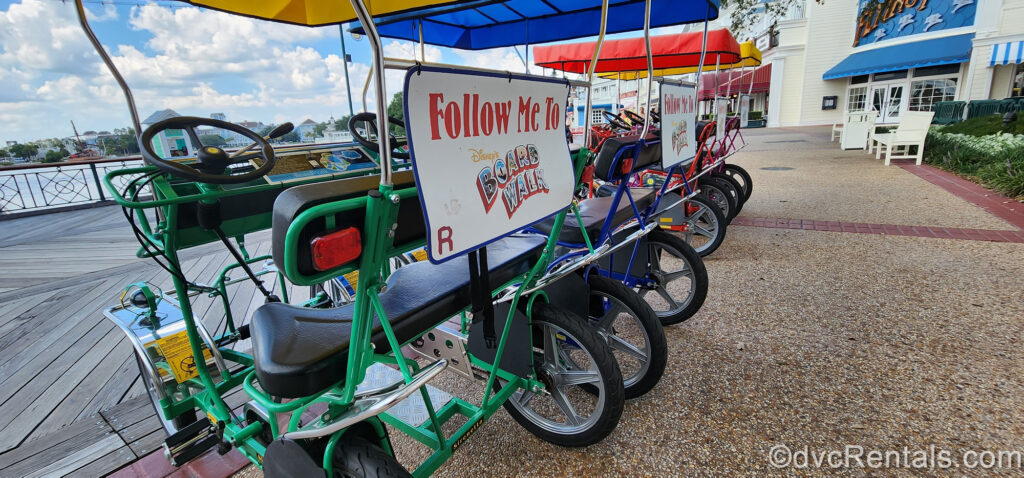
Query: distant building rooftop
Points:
[160, 116]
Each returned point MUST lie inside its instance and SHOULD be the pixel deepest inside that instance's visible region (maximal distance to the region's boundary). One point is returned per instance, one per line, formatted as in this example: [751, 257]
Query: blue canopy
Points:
[481, 24]
[937, 51]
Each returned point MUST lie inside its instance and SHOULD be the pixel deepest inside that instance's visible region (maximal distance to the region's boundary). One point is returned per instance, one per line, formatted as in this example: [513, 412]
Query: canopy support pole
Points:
[423, 52]
[110, 66]
[650, 64]
[344, 58]
[383, 133]
[590, 73]
[703, 53]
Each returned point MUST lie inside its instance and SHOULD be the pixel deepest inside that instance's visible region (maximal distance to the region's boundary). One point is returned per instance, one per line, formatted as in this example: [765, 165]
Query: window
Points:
[924, 93]
[890, 75]
[856, 100]
[596, 117]
[1017, 83]
[856, 80]
[937, 70]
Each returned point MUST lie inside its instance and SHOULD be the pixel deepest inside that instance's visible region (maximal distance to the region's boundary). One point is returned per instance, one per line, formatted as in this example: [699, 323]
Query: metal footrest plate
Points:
[412, 410]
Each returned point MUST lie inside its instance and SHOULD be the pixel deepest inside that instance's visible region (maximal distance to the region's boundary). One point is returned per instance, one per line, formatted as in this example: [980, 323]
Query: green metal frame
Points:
[207, 391]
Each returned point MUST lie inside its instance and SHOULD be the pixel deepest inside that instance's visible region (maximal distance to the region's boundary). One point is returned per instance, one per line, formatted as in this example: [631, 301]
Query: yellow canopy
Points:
[749, 56]
[312, 12]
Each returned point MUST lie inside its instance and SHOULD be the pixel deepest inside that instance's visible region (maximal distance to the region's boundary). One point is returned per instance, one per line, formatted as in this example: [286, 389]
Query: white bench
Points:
[912, 131]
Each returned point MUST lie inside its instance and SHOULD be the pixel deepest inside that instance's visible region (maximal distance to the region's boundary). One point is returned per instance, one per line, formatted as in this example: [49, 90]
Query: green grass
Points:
[986, 125]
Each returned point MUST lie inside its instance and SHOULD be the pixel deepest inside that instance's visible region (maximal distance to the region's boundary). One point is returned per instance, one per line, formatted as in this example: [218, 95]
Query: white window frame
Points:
[863, 101]
[597, 116]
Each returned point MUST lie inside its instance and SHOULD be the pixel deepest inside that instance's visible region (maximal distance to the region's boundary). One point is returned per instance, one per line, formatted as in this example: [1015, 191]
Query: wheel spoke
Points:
[610, 316]
[550, 346]
[563, 404]
[702, 231]
[685, 272]
[524, 398]
[627, 348]
[665, 295]
[579, 378]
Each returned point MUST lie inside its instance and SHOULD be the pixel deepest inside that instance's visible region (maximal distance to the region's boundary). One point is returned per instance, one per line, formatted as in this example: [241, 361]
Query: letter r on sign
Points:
[444, 236]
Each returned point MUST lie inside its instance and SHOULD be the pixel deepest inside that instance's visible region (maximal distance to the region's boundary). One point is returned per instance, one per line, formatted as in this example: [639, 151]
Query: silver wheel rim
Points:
[739, 180]
[701, 224]
[717, 197]
[561, 364]
[662, 298]
[621, 329]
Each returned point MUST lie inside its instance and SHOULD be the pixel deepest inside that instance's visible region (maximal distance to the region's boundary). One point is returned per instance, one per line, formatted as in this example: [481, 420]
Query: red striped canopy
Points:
[736, 81]
[629, 54]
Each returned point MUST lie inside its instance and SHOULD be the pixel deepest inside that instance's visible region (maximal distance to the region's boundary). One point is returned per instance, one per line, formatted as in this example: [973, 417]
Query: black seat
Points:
[607, 169]
[594, 211]
[300, 351]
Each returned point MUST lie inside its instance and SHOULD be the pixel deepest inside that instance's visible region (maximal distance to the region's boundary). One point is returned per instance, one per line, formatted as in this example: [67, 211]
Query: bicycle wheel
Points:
[632, 330]
[680, 281]
[734, 189]
[356, 457]
[705, 225]
[568, 355]
[717, 191]
[741, 176]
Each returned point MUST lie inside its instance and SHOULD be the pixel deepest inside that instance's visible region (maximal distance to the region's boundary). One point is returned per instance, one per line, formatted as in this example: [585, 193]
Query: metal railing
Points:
[45, 187]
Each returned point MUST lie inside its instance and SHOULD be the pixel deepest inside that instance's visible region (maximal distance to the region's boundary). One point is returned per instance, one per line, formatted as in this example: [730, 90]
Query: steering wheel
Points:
[371, 120]
[634, 118]
[212, 160]
[614, 120]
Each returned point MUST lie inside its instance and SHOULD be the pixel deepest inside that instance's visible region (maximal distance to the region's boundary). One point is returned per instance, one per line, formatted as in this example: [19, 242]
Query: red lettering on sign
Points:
[444, 236]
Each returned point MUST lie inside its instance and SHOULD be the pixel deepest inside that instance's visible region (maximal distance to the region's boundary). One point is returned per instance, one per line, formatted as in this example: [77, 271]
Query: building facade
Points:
[890, 56]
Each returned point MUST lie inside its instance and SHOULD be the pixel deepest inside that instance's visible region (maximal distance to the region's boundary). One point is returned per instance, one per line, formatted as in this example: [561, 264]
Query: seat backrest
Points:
[294, 201]
[615, 151]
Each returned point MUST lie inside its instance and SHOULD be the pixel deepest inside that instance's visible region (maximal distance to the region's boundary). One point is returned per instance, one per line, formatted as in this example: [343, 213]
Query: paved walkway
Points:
[833, 318]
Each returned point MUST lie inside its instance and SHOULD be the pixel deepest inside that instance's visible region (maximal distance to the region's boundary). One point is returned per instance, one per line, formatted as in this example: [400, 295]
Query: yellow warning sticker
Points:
[665, 219]
[353, 279]
[420, 254]
[178, 354]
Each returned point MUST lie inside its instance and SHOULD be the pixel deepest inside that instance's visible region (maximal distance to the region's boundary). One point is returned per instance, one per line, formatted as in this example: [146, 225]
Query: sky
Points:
[194, 61]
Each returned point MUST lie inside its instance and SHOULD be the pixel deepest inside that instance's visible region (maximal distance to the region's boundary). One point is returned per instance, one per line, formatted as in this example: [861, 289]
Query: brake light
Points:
[336, 248]
[627, 166]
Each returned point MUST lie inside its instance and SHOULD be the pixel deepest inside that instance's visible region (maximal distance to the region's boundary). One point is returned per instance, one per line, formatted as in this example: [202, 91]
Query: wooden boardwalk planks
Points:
[71, 401]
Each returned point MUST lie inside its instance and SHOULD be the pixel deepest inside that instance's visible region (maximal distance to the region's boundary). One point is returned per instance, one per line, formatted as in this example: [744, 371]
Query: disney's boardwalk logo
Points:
[515, 179]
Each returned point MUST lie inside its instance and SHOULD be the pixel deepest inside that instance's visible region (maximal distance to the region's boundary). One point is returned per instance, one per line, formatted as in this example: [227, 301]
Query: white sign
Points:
[744, 110]
[678, 121]
[489, 152]
[721, 115]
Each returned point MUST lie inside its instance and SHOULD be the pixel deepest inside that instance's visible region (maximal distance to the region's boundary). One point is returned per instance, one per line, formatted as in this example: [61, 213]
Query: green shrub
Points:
[755, 115]
[986, 125]
[996, 160]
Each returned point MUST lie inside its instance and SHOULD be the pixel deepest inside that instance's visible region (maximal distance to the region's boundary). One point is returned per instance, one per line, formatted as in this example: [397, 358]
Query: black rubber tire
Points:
[716, 241]
[655, 334]
[170, 426]
[355, 457]
[712, 188]
[683, 251]
[741, 176]
[611, 378]
[737, 190]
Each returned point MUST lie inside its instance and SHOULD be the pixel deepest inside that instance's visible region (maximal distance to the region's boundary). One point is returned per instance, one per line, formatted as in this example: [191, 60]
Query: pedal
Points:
[413, 410]
[190, 442]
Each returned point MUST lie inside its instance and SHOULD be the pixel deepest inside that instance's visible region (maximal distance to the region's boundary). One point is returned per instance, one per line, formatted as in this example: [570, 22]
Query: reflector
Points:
[336, 248]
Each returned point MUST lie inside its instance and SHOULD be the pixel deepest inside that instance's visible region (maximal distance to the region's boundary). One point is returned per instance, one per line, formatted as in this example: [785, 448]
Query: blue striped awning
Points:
[937, 51]
[1007, 53]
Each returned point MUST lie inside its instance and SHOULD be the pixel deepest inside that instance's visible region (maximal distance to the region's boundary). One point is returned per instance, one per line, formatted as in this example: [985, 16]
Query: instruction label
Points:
[178, 354]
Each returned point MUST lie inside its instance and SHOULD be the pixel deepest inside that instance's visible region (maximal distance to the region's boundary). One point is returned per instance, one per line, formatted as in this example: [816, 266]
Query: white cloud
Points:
[496, 59]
